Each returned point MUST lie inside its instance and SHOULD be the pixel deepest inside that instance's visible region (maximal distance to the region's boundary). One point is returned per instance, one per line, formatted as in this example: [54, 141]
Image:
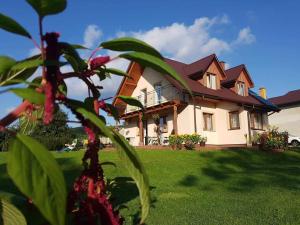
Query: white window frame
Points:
[157, 93]
[205, 124]
[241, 88]
[143, 96]
[212, 81]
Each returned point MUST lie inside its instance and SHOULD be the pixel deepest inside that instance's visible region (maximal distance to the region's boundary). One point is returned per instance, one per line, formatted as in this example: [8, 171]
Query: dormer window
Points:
[211, 81]
[241, 88]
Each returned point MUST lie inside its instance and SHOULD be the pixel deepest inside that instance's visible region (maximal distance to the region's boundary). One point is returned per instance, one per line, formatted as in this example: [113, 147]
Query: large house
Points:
[288, 119]
[222, 108]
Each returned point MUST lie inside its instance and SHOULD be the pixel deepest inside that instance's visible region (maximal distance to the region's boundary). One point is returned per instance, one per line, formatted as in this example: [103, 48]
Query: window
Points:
[241, 88]
[208, 121]
[163, 124]
[256, 121]
[234, 120]
[211, 81]
[143, 97]
[157, 93]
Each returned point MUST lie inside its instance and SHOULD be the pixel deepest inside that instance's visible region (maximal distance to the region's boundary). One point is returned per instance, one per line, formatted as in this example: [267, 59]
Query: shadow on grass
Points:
[246, 170]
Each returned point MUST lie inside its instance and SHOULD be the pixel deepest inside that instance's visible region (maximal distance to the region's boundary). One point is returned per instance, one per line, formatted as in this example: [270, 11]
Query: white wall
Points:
[288, 119]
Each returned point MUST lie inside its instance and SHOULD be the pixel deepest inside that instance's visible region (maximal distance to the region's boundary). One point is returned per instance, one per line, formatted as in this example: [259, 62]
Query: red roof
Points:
[233, 73]
[292, 97]
[185, 70]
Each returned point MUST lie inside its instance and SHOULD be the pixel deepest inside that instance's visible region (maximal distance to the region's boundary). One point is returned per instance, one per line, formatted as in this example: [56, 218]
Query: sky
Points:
[263, 35]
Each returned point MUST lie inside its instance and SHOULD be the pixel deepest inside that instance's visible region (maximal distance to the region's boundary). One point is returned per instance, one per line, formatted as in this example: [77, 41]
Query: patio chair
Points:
[69, 147]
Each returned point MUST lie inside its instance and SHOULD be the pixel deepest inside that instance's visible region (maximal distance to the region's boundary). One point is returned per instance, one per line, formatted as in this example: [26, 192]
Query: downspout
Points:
[195, 119]
[249, 127]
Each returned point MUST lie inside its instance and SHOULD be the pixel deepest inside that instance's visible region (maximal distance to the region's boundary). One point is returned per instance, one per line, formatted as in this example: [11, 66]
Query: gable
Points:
[147, 81]
[214, 68]
[129, 83]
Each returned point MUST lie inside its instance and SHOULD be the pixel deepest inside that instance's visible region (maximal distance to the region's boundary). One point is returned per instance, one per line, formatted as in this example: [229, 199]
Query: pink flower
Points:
[90, 133]
[99, 61]
[101, 104]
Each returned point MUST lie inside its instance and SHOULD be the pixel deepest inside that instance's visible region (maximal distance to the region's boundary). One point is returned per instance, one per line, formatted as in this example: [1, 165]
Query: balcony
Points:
[156, 97]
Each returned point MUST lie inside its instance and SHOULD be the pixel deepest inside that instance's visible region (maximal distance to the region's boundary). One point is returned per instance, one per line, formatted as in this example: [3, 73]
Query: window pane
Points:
[208, 121]
[208, 81]
[213, 81]
[157, 95]
[234, 120]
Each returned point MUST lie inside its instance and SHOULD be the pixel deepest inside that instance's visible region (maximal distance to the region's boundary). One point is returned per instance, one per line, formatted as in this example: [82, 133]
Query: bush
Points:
[189, 141]
[272, 139]
[176, 141]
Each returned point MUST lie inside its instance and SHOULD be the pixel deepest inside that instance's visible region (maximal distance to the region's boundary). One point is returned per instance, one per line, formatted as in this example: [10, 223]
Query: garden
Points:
[199, 187]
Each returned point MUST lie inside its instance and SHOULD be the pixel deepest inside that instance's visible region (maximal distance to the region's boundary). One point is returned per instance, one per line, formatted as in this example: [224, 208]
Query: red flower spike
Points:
[49, 103]
[99, 61]
[52, 71]
[101, 104]
[90, 133]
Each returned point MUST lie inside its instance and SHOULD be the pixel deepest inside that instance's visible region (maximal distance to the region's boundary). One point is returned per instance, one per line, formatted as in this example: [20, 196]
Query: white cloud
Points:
[188, 43]
[227, 66]
[179, 41]
[92, 34]
[245, 36]
[34, 51]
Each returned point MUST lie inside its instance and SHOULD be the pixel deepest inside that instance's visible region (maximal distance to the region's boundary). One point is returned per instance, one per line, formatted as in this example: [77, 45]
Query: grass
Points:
[213, 187]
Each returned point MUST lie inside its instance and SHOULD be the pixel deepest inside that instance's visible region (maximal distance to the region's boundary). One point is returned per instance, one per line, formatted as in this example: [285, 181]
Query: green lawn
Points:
[216, 187]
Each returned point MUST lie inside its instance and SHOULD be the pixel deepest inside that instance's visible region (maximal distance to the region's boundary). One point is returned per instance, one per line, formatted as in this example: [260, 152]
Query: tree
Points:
[55, 135]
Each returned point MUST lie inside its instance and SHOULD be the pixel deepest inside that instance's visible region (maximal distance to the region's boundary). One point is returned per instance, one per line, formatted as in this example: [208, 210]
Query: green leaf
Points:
[117, 72]
[10, 215]
[19, 71]
[48, 7]
[27, 64]
[127, 154]
[113, 111]
[27, 123]
[35, 172]
[156, 64]
[130, 44]
[10, 25]
[77, 46]
[29, 94]
[18, 81]
[131, 101]
[5, 65]
[72, 56]
[63, 88]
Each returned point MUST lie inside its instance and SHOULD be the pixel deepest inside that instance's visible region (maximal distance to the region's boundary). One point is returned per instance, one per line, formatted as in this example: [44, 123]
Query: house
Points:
[288, 119]
[223, 108]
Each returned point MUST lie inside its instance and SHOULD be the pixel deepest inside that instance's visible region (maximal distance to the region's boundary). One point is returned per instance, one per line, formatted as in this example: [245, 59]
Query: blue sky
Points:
[264, 35]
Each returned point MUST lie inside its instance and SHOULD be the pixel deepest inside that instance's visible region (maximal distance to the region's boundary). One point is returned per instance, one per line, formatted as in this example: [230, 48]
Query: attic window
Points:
[211, 81]
[241, 88]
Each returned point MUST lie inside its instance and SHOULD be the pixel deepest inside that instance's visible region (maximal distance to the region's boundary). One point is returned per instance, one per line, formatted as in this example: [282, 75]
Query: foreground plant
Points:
[30, 165]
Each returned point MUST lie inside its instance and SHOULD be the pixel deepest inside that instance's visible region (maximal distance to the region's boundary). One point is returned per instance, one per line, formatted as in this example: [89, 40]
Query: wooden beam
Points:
[141, 129]
[175, 115]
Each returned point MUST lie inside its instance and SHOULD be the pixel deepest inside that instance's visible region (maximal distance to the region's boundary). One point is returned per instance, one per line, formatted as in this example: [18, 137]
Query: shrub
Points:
[203, 140]
[176, 141]
[190, 140]
[272, 139]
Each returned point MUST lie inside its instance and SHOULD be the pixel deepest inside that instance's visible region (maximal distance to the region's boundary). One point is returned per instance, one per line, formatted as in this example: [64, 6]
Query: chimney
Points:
[222, 64]
[263, 92]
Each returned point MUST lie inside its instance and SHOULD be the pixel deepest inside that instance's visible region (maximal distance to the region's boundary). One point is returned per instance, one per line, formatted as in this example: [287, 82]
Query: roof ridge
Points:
[211, 55]
[236, 67]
